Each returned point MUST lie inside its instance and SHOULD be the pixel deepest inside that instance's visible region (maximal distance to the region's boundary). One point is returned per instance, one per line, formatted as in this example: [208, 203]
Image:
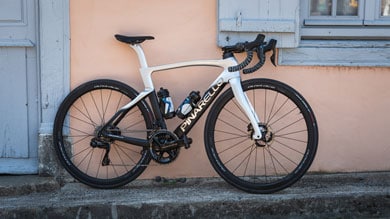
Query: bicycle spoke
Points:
[87, 115]
[232, 138]
[108, 101]
[265, 166]
[115, 171]
[97, 108]
[272, 109]
[239, 118]
[249, 157]
[75, 155]
[80, 140]
[272, 160]
[265, 104]
[291, 133]
[99, 166]
[81, 120]
[122, 149]
[120, 157]
[289, 125]
[82, 160]
[277, 111]
[289, 147]
[293, 139]
[233, 146]
[238, 154]
[254, 172]
[231, 125]
[283, 155]
[78, 130]
[230, 133]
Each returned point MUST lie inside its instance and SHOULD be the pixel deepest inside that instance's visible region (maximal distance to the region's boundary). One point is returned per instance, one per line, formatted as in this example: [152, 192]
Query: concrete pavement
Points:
[352, 195]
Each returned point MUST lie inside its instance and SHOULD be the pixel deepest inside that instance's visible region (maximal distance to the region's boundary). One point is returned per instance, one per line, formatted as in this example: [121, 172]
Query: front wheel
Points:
[288, 145]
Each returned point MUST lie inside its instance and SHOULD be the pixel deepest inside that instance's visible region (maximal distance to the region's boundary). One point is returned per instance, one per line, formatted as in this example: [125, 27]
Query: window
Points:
[312, 32]
[345, 19]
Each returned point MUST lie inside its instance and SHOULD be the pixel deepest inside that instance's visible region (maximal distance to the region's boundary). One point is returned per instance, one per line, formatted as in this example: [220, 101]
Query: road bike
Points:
[260, 135]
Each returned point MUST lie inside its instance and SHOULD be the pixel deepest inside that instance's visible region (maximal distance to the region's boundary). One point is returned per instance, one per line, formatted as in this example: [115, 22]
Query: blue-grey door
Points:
[18, 87]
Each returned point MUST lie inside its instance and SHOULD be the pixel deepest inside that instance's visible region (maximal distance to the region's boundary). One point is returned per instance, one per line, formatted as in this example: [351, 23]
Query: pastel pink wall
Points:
[351, 104]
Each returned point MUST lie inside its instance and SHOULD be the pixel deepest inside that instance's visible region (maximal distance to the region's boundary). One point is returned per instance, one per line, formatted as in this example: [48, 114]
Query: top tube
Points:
[222, 63]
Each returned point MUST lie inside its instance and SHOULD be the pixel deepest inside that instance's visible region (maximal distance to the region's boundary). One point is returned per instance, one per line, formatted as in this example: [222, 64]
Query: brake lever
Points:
[271, 46]
[257, 42]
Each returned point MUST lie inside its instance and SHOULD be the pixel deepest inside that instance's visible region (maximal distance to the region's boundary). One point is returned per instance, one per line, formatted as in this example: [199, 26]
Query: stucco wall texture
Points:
[352, 104]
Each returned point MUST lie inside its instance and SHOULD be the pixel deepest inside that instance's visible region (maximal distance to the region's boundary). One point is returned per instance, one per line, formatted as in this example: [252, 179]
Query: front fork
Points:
[246, 106]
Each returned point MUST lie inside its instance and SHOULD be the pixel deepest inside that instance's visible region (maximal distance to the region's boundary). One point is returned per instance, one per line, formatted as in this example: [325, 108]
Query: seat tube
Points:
[246, 106]
[145, 71]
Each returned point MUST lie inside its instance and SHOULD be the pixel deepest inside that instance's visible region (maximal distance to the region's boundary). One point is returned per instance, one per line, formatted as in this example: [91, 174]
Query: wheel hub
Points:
[266, 135]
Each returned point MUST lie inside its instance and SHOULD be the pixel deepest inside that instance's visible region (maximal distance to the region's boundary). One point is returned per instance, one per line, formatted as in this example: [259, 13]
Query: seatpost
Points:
[141, 55]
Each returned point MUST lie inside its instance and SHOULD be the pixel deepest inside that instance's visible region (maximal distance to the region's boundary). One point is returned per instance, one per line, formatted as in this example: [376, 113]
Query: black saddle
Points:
[133, 39]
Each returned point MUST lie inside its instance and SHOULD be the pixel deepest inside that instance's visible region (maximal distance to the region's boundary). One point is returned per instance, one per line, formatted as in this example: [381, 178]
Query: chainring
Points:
[163, 146]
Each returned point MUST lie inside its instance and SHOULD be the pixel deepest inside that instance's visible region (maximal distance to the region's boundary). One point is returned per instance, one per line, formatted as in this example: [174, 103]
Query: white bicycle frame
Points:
[233, 78]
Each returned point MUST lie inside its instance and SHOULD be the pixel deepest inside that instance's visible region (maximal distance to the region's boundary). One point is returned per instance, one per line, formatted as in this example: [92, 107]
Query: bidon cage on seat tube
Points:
[260, 135]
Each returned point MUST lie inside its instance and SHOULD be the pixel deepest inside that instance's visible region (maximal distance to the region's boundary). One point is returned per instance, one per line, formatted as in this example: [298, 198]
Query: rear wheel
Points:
[93, 160]
[284, 153]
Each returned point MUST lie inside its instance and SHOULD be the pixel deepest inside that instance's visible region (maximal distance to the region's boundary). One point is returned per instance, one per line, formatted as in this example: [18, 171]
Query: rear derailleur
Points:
[104, 143]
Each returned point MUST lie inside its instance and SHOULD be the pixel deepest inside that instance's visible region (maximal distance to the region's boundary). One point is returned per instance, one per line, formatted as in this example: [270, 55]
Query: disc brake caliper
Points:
[266, 132]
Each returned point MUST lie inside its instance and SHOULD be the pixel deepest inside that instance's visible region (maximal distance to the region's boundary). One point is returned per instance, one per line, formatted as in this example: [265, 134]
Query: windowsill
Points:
[338, 53]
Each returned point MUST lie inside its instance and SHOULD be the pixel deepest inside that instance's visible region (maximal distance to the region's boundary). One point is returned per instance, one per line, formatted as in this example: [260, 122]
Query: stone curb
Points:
[356, 195]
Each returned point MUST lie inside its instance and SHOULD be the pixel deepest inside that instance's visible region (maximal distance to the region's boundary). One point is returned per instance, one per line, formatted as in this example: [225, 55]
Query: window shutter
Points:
[243, 20]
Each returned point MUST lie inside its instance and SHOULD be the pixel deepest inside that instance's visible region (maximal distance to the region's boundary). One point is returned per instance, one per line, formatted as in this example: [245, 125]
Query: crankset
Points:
[164, 146]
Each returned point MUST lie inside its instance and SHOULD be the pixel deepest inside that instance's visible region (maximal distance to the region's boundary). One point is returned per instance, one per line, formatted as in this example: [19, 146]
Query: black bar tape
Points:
[261, 55]
[242, 64]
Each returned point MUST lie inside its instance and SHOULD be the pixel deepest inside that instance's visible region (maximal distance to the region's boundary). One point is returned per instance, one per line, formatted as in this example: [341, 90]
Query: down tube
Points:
[200, 108]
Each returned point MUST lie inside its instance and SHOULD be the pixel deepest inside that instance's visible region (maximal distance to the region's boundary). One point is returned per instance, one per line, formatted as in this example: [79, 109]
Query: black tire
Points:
[85, 109]
[278, 160]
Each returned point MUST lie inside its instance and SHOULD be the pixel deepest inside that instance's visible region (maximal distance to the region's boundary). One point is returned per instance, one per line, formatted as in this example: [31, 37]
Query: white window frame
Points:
[367, 25]
[332, 20]
[325, 44]
[375, 18]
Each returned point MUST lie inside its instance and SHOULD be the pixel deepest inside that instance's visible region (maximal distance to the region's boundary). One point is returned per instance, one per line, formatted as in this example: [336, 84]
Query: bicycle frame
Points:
[214, 90]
